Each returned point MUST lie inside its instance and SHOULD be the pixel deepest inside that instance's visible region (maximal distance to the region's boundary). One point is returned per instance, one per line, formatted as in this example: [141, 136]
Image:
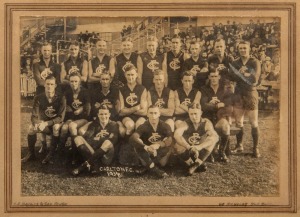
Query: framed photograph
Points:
[259, 174]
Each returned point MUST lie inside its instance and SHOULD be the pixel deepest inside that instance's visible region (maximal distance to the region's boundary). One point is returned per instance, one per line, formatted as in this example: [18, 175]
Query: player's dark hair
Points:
[46, 43]
[194, 105]
[195, 42]
[103, 107]
[127, 39]
[158, 72]
[219, 40]
[73, 74]
[176, 37]
[105, 72]
[75, 43]
[187, 73]
[244, 42]
[152, 39]
[50, 77]
[100, 39]
[129, 67]
[152, 106]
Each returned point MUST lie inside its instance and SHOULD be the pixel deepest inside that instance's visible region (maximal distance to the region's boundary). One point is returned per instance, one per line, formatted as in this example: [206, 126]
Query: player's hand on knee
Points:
[155, 146]
[194, 152]
[42, 126]
[151, 150]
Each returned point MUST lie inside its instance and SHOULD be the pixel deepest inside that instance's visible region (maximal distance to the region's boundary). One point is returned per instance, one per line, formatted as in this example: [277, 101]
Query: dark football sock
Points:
[255, 136]
[185, 155]
[203, 154]
[31, 142]
[84, 151]
[97, 154]
[144, 155]
[239, 136]
[223, 144]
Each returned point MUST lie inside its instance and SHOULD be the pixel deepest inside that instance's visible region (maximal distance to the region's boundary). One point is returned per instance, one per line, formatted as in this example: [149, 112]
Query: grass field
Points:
[242, 176]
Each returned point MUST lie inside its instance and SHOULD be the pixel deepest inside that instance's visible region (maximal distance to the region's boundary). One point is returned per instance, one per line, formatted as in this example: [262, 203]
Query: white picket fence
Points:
[28, 85]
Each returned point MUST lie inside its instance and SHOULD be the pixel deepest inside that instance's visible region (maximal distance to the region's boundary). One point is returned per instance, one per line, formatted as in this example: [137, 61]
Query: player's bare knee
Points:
[177, 123]
[31, 130]
[78, 140]
[64, 128]
[56, 128]
[139, 122]
[122, 129]
[106, 146]
[170, 122]
[129, 125]
[73, 128]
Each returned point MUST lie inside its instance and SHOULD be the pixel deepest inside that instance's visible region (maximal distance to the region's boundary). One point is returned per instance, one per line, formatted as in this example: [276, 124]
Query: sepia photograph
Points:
[176, 107]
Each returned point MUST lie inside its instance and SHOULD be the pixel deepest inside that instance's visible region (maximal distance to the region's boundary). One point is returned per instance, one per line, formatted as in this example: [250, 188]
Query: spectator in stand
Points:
[129, 28]
[256, 40]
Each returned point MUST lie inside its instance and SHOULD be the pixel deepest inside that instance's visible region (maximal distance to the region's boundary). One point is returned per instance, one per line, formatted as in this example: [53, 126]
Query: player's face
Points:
[153, 115]
[46, 51]
[187, 82]
[214, 78]
[176, 44]
[159, 81]
[105, 80]
[126, 47]
[219, 48]
[131, 76]
[74, 50]
[244, 50]
[103, 116]
[50, 86]
[74, 82]
[195, 115]
[151, 47]
[195, 50]
[101, 47]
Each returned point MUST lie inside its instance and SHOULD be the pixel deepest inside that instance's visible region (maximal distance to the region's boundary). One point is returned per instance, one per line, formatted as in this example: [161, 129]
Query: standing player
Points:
[74, 64]
[97, 141]
[163, 98]
[127, 57]
[78, 109]
[152, 141]
[44, 68]
[47, 115]
[220, 60]
[216, 104]
[246, 71]
[184, 96]
[102, 62]
[148, 62]
[195, 139]
[174, 59]
[197, 65]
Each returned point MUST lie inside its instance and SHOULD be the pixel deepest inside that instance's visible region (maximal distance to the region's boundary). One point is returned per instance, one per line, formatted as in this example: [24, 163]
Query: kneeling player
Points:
[47, 115]
[97, 142]
[78, 109]
[195, 139]
[152, 142]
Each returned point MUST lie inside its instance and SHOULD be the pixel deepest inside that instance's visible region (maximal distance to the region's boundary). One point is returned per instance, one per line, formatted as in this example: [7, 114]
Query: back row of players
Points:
[126, 97]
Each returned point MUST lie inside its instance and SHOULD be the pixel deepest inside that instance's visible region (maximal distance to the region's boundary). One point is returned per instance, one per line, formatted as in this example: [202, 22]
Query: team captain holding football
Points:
[144, 119]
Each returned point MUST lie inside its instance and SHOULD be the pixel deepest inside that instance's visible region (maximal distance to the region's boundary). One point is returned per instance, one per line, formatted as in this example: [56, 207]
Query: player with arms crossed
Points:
[148, 62]
[175, 60]
[77, 112]
[152, 141]
[246, 72]
[184, 96]
[163, 98]
[127, 57]
[97, 142]
[44, 68]
[195, 139]
[47, 116]
[102, 62]
[197, 65]
[74, 64]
